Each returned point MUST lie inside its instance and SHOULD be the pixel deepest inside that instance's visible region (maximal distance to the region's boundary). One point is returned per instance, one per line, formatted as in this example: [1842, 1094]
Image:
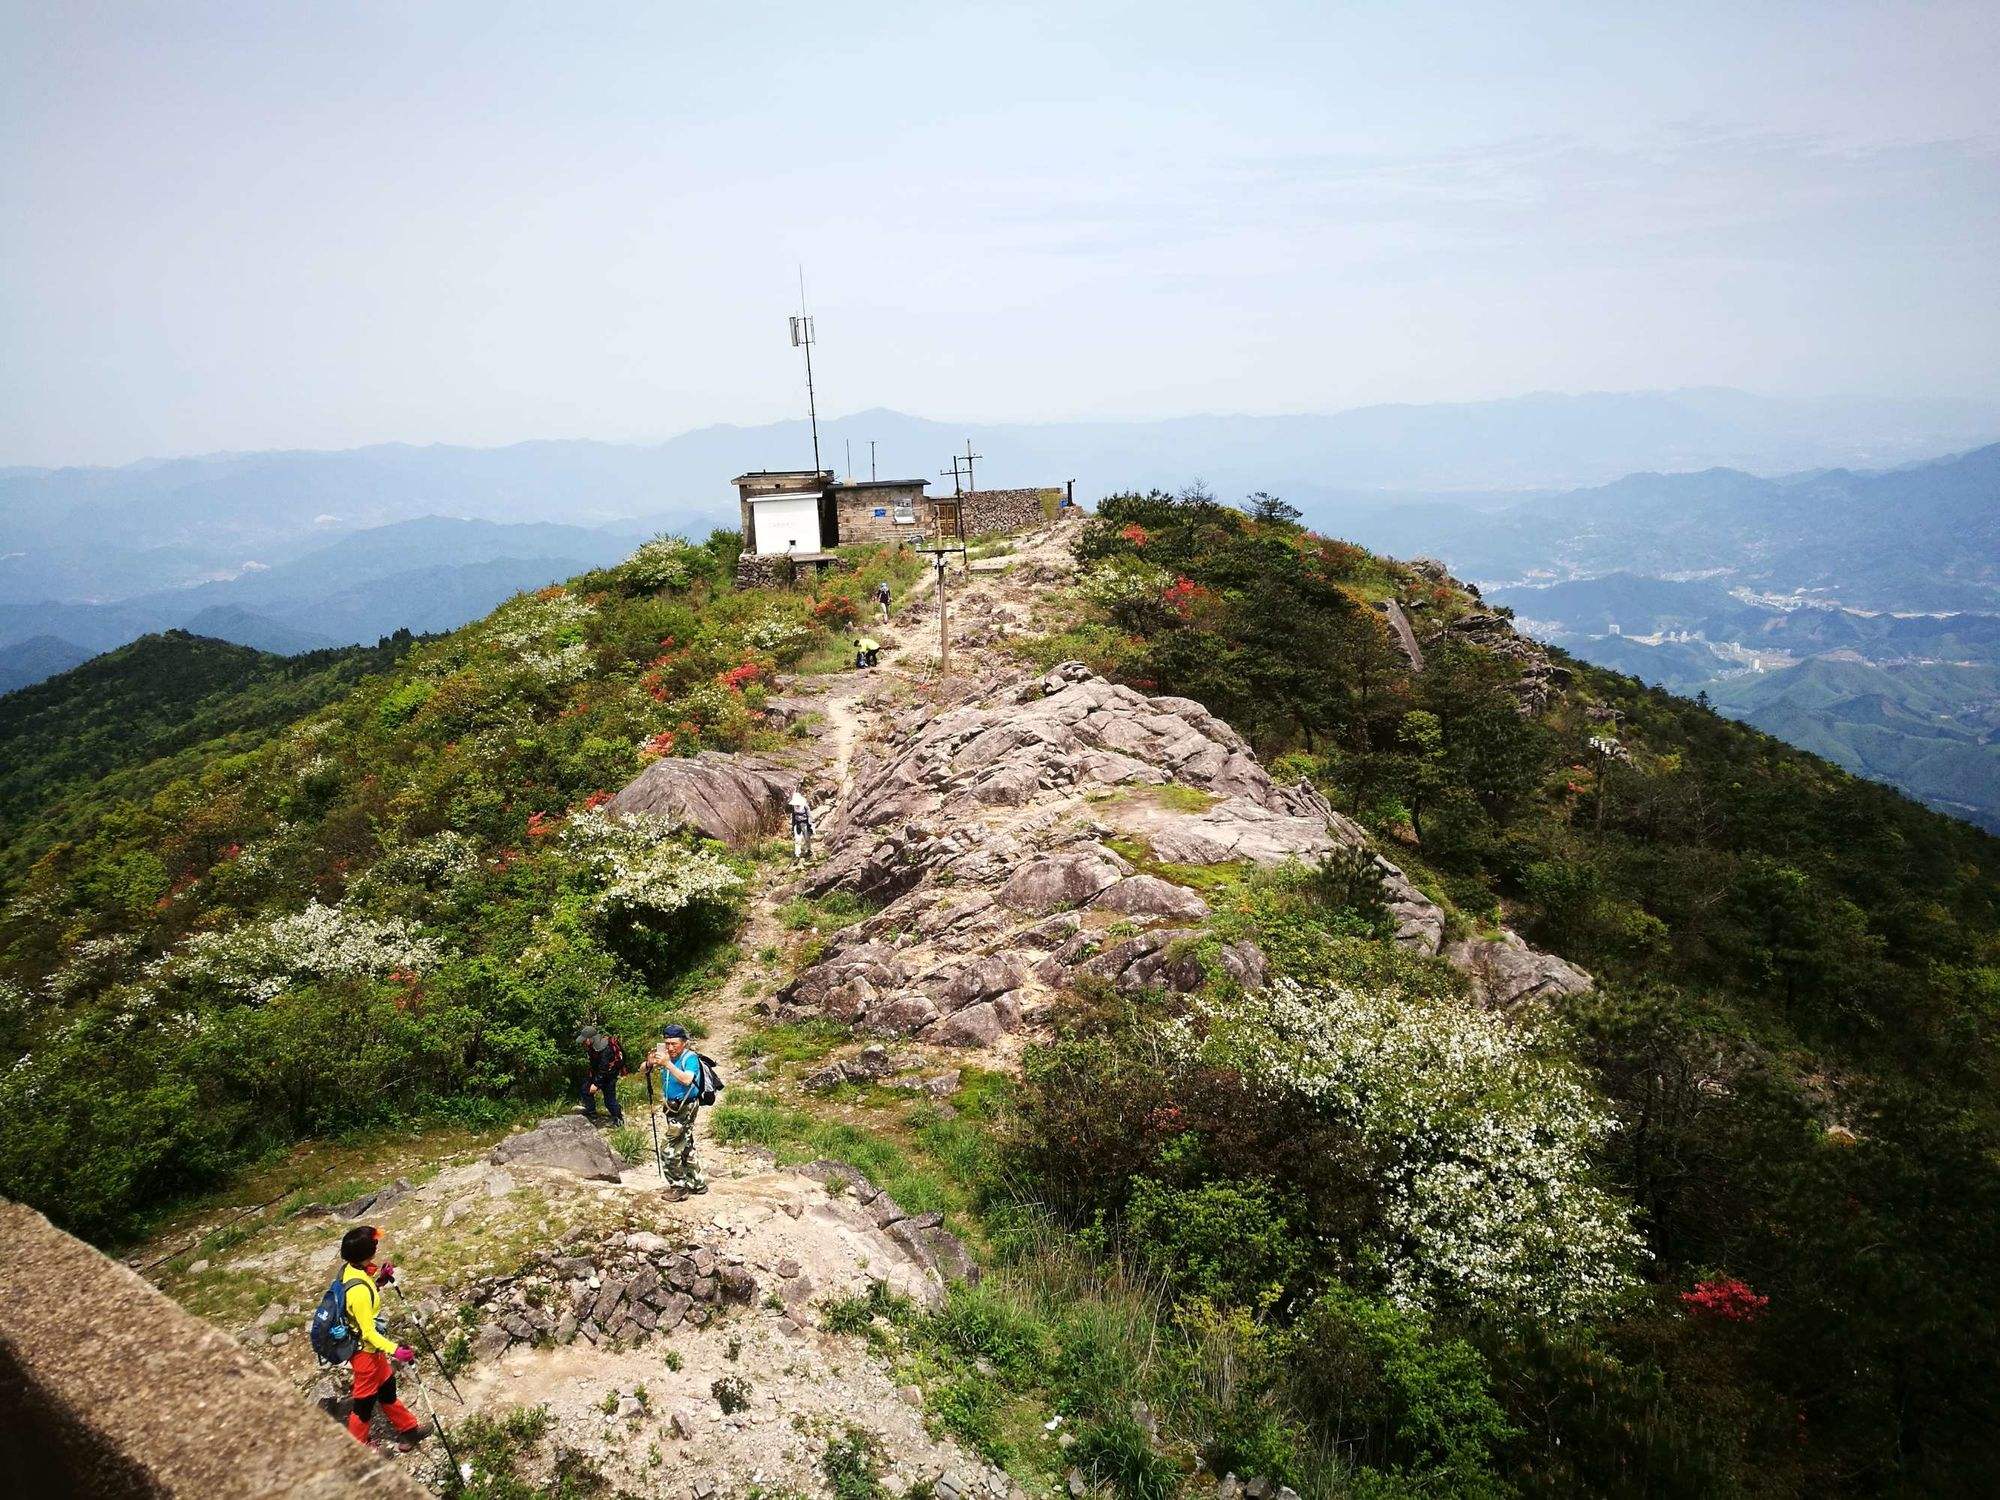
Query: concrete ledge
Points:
[109, 1388]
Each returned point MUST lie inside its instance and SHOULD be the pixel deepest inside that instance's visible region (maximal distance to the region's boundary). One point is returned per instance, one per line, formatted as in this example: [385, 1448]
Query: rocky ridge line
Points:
[989, 829]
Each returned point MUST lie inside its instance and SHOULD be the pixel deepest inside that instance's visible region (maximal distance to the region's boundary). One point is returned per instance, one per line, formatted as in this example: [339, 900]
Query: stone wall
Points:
[109, 1388]
[753, 571]
[855, 506]
[1009, 511]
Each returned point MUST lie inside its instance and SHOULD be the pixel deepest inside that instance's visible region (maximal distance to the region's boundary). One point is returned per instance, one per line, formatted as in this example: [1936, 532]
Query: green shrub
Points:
[1117, 1451]
[852, 1465]
[1224, 1239]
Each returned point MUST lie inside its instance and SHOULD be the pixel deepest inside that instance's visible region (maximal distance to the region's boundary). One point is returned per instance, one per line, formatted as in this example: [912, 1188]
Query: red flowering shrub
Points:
[1135, 534]
[1724, 1297]
[738, 678]
[540, 825]
[836, 612]
[595, 800]
[660, 744]
[1182, 595]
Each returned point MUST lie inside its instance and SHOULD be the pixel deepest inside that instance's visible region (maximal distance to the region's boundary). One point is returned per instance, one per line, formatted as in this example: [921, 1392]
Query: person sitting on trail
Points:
[802, 826]
[376, 1361]
[603, 1061]
[679, 1067]
[882, 598]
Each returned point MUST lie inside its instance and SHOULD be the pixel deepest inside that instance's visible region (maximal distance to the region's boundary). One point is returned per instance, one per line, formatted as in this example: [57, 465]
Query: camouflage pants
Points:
[678, 1167]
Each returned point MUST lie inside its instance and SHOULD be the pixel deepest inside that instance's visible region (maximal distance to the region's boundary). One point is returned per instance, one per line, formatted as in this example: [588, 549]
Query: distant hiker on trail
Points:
[679, 1067]
[866, 651]
[377, 1360]
[882, 598]
[603, 1061]
[802, 827]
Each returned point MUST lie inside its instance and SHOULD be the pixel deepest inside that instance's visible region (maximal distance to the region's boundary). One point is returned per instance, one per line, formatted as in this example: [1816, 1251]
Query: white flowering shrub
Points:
[557, 667]
[260, 961]
[539, 622]
[647, 875]
[665, 563]
[780, 635]
[1484, 1134]
[90, 963]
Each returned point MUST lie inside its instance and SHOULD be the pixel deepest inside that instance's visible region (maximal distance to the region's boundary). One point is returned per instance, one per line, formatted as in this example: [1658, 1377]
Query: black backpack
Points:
[333, 1334]
[711, 1080]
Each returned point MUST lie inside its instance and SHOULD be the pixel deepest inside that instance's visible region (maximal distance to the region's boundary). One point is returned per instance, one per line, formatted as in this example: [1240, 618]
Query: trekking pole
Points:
[653, 1114]
[437, 1422]
[429, 1348]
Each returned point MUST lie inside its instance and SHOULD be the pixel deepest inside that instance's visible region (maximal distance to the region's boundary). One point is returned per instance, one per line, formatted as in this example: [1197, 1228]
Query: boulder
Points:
[1150, 896]
[373, 1202]
[1505, 974]
[567, 1142]
[737, 799]
[1062, 881]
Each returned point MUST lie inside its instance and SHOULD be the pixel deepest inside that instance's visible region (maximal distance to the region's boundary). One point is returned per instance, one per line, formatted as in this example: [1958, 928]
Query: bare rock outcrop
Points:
[1005, 834]
[568, 1142]
[737, 799]
[1504, 973]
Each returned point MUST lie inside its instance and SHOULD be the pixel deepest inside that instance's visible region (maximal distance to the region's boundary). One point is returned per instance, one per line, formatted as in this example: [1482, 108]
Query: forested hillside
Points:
[111, 729]
[1720, 1226]
[1794, 1028]
[389, 856]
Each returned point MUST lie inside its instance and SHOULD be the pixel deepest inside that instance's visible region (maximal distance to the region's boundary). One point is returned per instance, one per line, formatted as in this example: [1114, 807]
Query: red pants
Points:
[375, 1381]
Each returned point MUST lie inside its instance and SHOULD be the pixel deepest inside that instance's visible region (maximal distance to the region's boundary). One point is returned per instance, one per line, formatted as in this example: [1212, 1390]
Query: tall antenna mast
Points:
[802, 338]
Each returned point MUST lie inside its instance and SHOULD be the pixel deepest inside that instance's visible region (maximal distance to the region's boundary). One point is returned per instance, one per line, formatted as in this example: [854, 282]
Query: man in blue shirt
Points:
[679, 1067]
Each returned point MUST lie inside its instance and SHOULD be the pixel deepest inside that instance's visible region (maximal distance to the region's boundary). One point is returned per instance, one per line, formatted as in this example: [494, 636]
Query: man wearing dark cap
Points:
[679, 1067]
[603, 1061]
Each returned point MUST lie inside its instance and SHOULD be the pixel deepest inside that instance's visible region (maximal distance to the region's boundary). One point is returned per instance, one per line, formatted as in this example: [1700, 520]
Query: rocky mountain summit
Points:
[1006, 834]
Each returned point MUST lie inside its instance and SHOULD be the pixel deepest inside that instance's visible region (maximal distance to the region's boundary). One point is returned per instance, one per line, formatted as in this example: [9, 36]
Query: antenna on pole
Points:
[802, 338]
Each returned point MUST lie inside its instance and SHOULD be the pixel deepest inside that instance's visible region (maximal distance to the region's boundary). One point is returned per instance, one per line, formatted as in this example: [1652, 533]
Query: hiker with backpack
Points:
[603, 1061]
[882, 598]
[346, 1327]
[802, 827]
[685, 1089]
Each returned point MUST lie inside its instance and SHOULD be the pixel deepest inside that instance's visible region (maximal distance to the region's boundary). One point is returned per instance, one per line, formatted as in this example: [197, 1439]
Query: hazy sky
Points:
[254, 226]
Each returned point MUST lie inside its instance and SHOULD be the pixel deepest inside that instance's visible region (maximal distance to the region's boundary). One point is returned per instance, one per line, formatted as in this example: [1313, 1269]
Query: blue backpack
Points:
[333, 1334]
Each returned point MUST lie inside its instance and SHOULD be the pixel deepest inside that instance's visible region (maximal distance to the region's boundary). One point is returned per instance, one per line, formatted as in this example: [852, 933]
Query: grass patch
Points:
[796, 1041]
[1178, 798]
[829, 913]
[852, 1465]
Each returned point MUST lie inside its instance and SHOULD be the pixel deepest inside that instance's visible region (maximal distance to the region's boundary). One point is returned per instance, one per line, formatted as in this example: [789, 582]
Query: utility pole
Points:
[871, 460]
[954, 472]
[849, 443]
[944, 628]
[969, 457]
[802, 338]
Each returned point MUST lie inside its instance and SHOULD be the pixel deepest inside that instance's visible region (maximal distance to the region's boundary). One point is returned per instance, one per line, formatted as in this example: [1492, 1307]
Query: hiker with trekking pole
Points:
[687, 1081]
[346, 1329]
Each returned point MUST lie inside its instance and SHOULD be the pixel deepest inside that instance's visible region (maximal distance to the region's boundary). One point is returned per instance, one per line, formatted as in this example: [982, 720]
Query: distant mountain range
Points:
[425, 575]
[1925, 536]
[108, 534]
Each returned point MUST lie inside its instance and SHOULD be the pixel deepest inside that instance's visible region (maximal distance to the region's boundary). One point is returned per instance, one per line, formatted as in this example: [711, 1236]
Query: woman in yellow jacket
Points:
[376, 1360]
